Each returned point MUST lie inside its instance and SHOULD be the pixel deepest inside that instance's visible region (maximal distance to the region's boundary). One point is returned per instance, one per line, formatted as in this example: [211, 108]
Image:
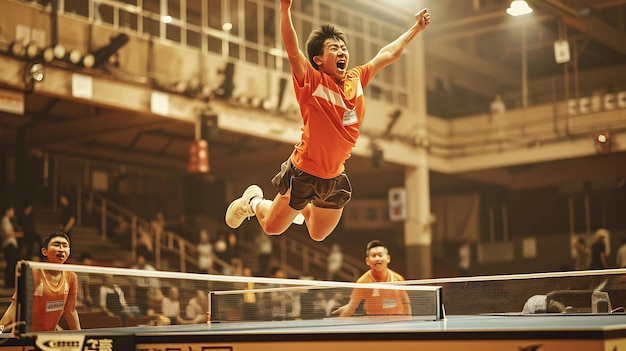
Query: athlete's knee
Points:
[272, 228]
[317, 236]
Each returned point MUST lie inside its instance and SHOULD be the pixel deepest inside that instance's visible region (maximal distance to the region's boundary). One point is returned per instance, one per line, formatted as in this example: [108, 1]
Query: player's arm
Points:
[347, 310]
[290, 42]
[392, 51]
[9, 315]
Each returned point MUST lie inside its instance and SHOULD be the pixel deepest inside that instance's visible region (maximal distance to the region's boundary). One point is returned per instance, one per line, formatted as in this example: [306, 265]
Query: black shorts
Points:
[305, 188]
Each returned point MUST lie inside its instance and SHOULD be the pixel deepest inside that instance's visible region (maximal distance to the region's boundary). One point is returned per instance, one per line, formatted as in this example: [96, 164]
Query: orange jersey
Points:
[331, 114]
[382, 301]
[50, 300]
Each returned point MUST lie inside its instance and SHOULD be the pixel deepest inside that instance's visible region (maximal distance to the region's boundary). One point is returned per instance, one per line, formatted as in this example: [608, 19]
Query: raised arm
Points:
[392, 51]
[297, 59]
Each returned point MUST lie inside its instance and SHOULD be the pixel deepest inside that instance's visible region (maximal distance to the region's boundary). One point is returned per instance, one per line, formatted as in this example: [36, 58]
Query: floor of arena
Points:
[482, 332]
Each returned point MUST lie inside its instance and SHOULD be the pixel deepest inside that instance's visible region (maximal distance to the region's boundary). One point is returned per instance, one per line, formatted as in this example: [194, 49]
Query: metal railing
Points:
[163, 241]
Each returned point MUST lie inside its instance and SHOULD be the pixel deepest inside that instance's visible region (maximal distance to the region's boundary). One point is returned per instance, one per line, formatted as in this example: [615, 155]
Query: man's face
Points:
[58, 250]
[378, 258]
[334, 59]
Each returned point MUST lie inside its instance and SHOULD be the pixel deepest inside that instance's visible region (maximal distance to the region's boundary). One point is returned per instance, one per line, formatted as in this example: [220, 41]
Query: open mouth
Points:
[60, 256]
[341, 65]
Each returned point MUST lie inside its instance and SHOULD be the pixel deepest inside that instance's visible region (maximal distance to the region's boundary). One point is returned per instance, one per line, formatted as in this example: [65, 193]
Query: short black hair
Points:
[46, 240]
[374, 243]
[315, 43]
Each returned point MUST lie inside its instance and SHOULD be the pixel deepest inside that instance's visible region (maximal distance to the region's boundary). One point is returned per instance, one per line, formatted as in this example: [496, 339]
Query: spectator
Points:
[497, 105]
[147, 290]
[121, 231]
[319, 306]
[205, 253]
[233, 254]
[249, 298]
[112, 299]
[465, 258]
[279, 301]
[264, 253]
[83, 297]
[30, 239]
[170, 307]
[497, 117]
[335, 261]
[157, 225]
[145, 245]
[197, 307]
[10, 245]
[582, 254]
[220, 249]
[68, 215]
[598, 250]
[621, 255]
[377, 301]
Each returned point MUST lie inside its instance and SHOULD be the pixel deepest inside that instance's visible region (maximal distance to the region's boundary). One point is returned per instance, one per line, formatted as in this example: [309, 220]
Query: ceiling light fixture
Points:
[519, 8]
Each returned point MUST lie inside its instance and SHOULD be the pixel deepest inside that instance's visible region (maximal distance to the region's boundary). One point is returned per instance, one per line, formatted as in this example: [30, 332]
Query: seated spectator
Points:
[112, 300]
[121, 231]
[84, 300]
[205, 253]
[197, 308]
[170, 307]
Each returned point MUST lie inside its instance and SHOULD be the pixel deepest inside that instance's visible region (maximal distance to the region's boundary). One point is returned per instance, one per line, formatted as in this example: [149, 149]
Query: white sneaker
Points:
[240, 209]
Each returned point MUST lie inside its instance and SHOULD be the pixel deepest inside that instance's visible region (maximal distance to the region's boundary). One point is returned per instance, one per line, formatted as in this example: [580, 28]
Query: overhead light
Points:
[103, 54]
[75, 56]
[519, 8]
[16, 48]
[166, 19]
[227, 26]
[602, 141]
[34, 72]
[32, 50]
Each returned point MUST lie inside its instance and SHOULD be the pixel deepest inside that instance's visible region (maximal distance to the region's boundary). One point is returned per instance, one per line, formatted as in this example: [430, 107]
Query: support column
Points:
[417, 233]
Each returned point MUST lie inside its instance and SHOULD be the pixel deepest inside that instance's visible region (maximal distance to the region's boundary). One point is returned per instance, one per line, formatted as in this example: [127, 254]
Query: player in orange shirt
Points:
[378, 301]
[313, 182]
[55, 291]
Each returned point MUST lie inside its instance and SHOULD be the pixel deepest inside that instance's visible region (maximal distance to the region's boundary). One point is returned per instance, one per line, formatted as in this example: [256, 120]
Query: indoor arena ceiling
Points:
[473, 50]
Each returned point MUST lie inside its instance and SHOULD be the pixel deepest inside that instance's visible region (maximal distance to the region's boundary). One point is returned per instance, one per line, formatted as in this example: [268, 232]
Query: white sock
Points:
[254, 202]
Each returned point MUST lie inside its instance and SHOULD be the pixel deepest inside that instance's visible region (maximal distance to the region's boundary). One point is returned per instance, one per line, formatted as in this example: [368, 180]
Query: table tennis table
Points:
[480, 332]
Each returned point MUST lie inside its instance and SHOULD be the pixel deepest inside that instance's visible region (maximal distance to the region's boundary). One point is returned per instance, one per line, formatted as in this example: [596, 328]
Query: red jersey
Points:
[382, 301]
[331, 114]
[50, 299]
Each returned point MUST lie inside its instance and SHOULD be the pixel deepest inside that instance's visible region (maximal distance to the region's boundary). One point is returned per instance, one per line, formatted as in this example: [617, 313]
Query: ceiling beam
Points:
[472, 62]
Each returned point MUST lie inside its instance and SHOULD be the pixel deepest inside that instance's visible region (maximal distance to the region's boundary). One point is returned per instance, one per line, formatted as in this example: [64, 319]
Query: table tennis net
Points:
[109, 297]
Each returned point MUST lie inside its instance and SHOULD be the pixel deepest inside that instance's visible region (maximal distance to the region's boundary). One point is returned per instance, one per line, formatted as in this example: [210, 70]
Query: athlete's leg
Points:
[275, 216]
[321, 221]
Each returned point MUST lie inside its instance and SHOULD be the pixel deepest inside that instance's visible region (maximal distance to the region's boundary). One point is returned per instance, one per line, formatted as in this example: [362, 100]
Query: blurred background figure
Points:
[598, 250]
[29, 243]
[583, 254]
[335, 261]
[197, 307]
[465, 258]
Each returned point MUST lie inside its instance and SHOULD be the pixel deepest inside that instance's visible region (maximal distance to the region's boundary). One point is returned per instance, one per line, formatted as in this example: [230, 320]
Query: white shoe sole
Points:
[232, 220]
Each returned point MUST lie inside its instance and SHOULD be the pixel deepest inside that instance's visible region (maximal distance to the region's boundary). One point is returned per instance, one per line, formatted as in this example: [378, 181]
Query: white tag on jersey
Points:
[350, 118]
[55, 305]
[389, 303]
